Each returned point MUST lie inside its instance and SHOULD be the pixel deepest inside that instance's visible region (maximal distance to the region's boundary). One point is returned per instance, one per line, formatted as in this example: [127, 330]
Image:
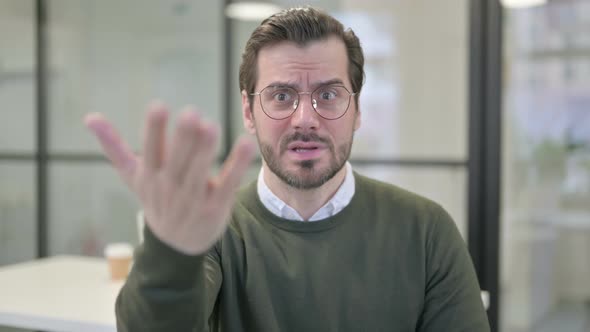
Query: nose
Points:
[305, 116]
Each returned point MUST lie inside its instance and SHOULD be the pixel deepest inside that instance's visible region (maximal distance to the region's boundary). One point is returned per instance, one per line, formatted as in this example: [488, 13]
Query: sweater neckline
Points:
[252, 201]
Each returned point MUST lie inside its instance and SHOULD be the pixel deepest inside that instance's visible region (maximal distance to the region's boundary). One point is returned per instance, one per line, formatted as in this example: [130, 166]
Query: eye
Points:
[328, 94]
[282, 97]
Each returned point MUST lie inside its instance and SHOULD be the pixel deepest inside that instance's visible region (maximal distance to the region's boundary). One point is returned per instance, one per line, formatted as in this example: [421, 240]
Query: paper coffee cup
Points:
[119, 257]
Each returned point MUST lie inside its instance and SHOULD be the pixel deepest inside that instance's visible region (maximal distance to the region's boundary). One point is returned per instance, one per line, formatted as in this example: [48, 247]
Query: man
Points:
[311, 245]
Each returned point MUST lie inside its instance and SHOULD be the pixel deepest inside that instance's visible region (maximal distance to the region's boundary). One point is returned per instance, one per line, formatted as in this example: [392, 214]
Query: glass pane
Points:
[241, 31]
[89, 207]
[446, 186]
[545, 237]
[18, 225]
[415, 96]
[115, 57]
[17, 76]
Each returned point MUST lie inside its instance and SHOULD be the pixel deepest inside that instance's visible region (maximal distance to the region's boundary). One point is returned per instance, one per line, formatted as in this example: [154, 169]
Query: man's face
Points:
[303, 150]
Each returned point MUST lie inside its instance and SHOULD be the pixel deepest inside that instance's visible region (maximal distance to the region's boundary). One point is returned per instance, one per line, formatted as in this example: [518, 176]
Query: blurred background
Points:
[479, 105]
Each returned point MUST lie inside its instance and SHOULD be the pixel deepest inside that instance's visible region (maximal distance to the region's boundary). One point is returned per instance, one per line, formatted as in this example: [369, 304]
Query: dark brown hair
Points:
[301, 26]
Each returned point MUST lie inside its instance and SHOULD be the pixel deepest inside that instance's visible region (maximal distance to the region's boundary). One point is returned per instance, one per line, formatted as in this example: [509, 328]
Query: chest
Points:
[342, 281]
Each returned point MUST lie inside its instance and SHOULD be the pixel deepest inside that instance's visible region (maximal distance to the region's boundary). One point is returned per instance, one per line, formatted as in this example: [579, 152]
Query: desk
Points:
[59, 294]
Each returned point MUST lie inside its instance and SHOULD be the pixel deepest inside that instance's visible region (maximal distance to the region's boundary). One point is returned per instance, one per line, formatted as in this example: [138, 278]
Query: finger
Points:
[233, 170]
[202, 161]
[115, 149]
[155, 136]
[186, 137]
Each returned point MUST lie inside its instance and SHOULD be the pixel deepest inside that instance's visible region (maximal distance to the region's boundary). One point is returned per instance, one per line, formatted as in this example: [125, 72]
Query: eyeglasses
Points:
[279, 102]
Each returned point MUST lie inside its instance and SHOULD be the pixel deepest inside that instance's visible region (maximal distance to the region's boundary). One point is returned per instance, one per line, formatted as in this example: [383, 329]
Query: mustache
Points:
[304, 137]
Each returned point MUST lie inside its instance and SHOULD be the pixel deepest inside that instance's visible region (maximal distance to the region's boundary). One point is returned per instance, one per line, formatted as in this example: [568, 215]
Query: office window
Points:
[17, 77]
[90, 207]
[18, 235]
[115, 57]
[545, 217]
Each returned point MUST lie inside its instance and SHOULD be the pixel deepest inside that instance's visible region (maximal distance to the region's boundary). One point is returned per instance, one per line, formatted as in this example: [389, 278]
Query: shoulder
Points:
[416, 217]
[399, 200]
[404, 211]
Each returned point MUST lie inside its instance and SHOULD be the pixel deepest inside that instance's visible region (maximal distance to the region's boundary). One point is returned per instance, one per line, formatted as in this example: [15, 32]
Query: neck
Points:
[305, 201]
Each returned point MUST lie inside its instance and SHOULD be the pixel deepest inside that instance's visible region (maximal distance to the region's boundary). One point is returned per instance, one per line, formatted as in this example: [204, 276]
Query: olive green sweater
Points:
[389, 261]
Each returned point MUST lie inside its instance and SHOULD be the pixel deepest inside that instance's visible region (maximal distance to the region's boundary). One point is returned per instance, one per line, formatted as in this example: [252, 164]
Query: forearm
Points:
[166, 290]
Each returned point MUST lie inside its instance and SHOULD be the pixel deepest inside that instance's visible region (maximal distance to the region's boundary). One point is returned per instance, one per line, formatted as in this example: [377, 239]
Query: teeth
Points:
[302, 150]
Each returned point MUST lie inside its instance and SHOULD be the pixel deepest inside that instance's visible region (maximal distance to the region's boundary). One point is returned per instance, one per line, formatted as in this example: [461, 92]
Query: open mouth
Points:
[303, 149]
[304, 146]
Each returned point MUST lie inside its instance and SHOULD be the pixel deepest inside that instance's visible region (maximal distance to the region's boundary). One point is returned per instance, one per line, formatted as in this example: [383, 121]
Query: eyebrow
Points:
[313, 86]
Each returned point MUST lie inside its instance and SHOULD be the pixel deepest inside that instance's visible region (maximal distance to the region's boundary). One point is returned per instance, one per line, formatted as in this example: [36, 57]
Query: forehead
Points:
[303, 66]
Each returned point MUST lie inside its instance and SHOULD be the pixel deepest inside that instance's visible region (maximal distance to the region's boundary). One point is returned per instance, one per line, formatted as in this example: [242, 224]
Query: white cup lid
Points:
[118, 250]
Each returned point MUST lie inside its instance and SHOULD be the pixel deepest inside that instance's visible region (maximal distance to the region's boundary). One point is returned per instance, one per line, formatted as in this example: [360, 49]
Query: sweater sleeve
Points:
[452, 299]
[167, 290]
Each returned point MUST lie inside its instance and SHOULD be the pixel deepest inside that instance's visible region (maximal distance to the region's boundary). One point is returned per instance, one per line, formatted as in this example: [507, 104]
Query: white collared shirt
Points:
[338, 202]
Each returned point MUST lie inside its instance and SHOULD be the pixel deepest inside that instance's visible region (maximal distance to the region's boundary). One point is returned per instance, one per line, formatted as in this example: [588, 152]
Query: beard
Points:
[308, 175]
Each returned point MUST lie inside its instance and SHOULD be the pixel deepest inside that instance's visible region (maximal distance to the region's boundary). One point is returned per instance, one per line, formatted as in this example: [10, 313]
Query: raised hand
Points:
[183, 205]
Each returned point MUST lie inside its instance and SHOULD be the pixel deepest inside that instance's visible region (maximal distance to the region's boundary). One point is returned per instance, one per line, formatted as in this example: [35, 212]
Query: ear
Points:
[357, 120]
[248, 114]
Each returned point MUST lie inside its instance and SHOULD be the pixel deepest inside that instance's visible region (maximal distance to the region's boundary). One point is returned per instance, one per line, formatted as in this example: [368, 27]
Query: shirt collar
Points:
[339, 201]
